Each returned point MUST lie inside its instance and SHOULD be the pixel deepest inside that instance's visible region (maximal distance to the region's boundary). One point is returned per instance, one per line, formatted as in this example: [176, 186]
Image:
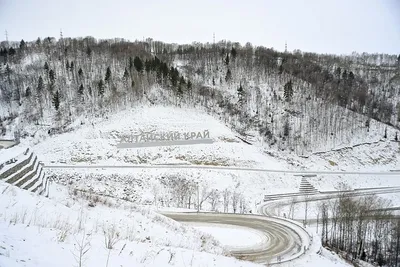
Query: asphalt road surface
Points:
[283, 241]
[269, 208]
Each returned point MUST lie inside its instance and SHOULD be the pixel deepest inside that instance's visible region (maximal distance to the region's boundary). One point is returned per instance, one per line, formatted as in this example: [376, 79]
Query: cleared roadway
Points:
[227, 168]
[269, 207]
[284, 239]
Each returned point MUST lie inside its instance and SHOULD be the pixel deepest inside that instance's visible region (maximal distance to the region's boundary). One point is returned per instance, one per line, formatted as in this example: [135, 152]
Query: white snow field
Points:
[148, 239]
[36, 231]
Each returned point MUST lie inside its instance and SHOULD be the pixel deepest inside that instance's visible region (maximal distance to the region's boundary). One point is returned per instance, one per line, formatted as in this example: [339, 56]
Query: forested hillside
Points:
[302, 102]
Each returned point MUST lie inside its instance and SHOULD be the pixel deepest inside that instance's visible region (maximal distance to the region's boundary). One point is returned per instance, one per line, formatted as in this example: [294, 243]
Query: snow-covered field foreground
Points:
[68, 229]
[36, 231]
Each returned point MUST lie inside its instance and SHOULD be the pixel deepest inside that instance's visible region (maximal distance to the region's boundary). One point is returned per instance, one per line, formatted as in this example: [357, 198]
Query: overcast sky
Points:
[325, 26]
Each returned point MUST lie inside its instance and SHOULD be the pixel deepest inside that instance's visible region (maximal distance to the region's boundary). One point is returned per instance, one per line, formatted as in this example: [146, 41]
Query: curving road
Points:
[285, 240]
[269, 208]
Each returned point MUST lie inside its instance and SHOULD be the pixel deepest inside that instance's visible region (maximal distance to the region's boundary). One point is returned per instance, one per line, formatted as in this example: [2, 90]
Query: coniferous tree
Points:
[182, 81]
[52, 76]
[189, 85]
[344, 75]
[288, 91]
[227, 59]
[233, 53]
[126, 74]
[147, 65]
[280, 69]
[179, 90]
[71, 66]
[46, 67]
[28, 92]
[350, 78]
[228, 76]
[8, 73]
[56, 100]
[38, 41]
[67, 65]
[174, 76]
[40, 85]
[137, 62]
[11, 51]
[213, 81]
[80, 72]
[100, 86]
[80, 90]
[22, 45]
[88, 51]
[240, 92]
[108, 75]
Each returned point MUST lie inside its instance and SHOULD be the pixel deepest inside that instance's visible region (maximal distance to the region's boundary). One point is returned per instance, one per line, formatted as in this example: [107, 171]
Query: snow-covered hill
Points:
[37, 231]
[95, 143]
[145, 237]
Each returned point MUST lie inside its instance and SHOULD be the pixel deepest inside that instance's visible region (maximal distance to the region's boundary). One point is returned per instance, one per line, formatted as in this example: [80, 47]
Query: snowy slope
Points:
[95, 143]
[55, 229]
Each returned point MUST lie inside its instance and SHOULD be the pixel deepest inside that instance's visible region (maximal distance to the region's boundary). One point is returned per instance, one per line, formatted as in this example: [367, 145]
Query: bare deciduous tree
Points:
[111, 238]
[235, 201]
[214, 199]
[81, 247]
[226, 195]
[204, 193]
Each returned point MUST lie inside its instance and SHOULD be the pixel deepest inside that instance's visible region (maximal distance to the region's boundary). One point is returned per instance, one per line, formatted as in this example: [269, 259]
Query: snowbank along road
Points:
[285, 241]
